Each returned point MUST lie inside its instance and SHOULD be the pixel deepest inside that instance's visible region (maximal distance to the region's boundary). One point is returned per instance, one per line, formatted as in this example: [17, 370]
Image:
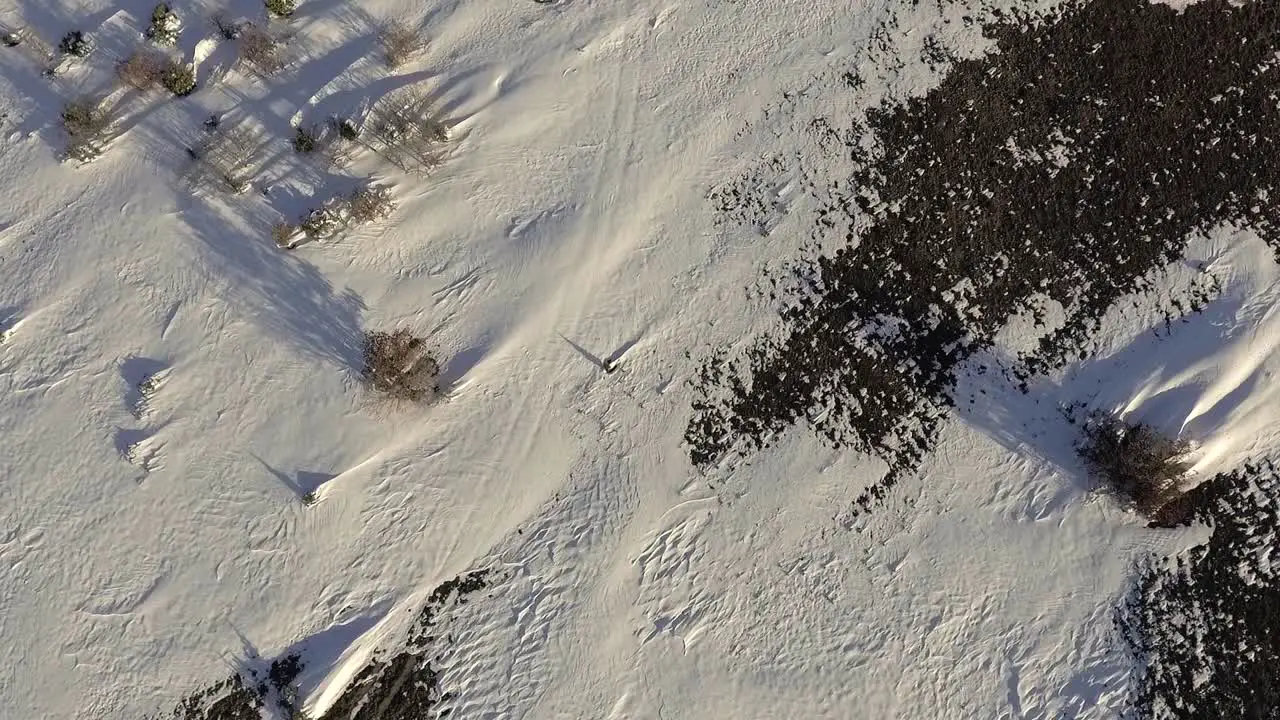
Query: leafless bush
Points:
[261, 50]
[340, 136]
[1135, 463]
[228, 160]
[87, 122]
[285, 235]
[227, 27]
[144, 69]
[400, 43]
[407, 130]
[368, 204]
[398, 365]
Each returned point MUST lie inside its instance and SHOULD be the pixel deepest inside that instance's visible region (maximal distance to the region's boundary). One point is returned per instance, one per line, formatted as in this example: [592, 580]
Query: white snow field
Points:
[153, 541]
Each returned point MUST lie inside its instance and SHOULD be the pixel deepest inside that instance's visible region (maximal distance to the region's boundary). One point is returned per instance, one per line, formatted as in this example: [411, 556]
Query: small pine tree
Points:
[398, 365]
[76, 44]
[305, 140]
[347, 130]
[179, 79]
[281, 8]
[165, 26]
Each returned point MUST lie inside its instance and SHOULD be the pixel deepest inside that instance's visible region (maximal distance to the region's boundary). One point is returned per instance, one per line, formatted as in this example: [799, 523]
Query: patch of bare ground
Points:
[1204, 628]
[1067, 166]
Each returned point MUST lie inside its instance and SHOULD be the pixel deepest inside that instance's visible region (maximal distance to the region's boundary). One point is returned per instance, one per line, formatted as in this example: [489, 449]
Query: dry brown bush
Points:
[406, 129]
[284, 234]
[398, 366]
[368, 204]
[228, 160]
[144, 69]
[400, 43]
[87, 122]
[1138, 465]
[260, 50]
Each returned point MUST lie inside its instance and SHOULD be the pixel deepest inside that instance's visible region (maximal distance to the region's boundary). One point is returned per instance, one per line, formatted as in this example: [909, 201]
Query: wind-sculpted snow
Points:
[1064, 167]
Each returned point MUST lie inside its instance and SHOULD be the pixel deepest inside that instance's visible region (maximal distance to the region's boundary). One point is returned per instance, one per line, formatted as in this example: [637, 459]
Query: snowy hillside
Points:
[764, 334]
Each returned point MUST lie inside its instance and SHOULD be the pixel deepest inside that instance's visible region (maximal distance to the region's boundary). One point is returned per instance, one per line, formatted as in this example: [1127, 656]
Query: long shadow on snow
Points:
[287, 296]
[1036, 418]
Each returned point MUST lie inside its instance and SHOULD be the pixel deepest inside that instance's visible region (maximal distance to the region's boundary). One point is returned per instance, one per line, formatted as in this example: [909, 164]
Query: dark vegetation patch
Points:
[398, 365]
[1067, 166]
[1136, 464]
[403, 686]
[1205, 629]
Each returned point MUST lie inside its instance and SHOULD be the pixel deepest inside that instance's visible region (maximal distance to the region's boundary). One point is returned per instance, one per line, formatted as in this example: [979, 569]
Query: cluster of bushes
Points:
[403, 127]
[364, 205]
[147, 69]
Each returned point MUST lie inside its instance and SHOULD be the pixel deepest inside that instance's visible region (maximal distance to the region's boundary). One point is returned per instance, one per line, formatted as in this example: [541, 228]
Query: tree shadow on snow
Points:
[1040, 420]
[286, 296]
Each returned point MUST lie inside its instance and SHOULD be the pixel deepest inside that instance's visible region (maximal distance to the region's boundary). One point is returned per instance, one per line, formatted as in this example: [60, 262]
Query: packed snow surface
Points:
[174, 384]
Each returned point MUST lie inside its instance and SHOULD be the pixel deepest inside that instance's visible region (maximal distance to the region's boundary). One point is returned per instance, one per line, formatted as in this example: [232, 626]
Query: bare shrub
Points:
[228, 28]
[228, 160]
[85, 117]
[31, 44]
[398, 365]
[340, 136]
[284, 234]
[400, 43]
[1135, 463]
[144, 69]
[368, 204]
[260, 50]
[406, 129]
[87, 122]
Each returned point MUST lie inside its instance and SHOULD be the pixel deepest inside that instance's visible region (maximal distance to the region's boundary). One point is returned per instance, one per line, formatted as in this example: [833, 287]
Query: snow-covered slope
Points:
[174, 385]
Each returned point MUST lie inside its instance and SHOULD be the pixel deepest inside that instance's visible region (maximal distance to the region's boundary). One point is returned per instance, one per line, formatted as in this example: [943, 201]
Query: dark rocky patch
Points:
[229, 699]
[1067, 166]
[1205, 630]
[404, 686]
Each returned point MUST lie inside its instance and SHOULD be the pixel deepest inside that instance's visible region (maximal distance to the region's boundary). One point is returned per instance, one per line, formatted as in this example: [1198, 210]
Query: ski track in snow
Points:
[174, 386]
